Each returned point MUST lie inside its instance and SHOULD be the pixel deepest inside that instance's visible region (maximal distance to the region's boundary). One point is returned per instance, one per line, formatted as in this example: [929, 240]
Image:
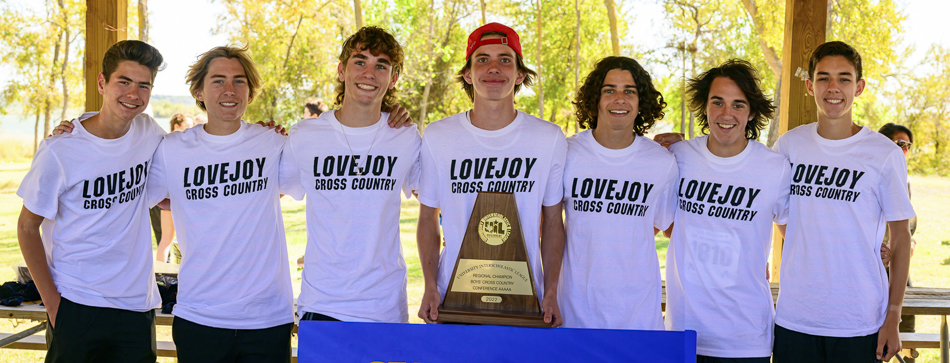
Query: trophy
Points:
[492, 283]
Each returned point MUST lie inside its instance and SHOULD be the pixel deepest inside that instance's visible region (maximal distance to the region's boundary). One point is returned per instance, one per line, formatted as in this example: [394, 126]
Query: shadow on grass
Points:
[946, 261]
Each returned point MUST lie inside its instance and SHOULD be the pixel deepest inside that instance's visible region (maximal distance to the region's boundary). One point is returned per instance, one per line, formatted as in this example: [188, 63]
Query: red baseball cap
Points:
[510, 39]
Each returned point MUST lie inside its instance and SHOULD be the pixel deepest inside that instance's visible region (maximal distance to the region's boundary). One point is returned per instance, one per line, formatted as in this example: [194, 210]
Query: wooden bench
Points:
[38, 342]
[919, 340]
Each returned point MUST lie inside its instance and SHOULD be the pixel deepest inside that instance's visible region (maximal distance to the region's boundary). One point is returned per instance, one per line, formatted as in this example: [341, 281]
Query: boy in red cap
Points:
[492, 148]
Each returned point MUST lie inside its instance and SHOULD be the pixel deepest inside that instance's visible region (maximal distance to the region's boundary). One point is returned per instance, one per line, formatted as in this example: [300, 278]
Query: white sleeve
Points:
[289, 179]
[412, 178]
[892, 190]
[666, 203]
[780, 210]
[429, 191]
[43, 184]
[156, 188]
[554, 190]
[781, 146]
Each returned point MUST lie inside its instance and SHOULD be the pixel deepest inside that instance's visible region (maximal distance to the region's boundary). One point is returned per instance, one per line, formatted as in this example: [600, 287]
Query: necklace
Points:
[362, 170]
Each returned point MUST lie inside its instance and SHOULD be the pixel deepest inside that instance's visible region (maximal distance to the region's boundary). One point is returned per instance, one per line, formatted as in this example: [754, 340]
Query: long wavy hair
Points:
[651, 103]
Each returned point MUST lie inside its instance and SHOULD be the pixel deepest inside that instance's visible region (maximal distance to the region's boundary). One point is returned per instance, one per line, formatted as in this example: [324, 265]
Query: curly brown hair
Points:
[747, 78]
[651, 103]
[377, 41]
[529, 74]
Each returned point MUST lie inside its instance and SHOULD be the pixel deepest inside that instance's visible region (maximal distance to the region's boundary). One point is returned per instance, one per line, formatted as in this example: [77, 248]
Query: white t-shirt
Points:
[224, 193]
[722, 235]
[610, 278]
[354, 270]
[459, 160]
[96, 230]
[833, 282]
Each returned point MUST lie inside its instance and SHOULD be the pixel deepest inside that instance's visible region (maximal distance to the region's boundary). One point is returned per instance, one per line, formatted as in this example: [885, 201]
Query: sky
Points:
[182, 30]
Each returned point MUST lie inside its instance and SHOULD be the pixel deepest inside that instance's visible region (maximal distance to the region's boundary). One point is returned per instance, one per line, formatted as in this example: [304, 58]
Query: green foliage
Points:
[433, 36]
[556, 64]
[919, 98]
[295, 44]
[166, 108]
[45, 51]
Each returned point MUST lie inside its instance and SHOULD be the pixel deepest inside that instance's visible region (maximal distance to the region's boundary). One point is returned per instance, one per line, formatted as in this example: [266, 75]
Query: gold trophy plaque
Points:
[492, 282]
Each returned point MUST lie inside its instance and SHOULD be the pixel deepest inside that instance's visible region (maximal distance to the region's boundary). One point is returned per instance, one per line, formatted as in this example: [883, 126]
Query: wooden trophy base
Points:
[489, 317]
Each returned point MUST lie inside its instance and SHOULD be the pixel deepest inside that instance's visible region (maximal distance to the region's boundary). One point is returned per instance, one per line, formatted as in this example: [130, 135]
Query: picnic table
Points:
[917, 301]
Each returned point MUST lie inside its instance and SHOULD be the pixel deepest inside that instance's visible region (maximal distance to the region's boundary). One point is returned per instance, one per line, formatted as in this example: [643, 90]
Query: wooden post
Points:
[106, 24]
[804, 31]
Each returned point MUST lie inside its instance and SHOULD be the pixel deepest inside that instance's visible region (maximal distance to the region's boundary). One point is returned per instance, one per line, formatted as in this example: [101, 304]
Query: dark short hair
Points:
[316, 106]
[197, 72]
[651, 103]
[745, 75]
[470, 90]
[135, 51]
[177, 119]
[890, 129]
[377, 41]
[835, 48]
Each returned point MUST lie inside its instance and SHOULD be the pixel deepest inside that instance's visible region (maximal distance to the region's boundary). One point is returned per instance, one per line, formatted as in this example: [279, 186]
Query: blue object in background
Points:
[323, 341]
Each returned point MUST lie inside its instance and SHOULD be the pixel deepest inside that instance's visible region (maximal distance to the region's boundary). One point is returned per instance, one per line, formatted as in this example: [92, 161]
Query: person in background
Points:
[904, 138]
[314, 108]
[161, 219]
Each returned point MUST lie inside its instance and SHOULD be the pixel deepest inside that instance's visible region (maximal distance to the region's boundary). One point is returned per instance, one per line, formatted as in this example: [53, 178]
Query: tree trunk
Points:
[540, 85]
[692, 71]
[577, 55]
[612, 16]
[683, 99]
[143, 20]
[36, 132]
[484, 19]
[771, 56]
[423, 106]
[62, 8]
[776, 119]
[358, 11]
[49, 86]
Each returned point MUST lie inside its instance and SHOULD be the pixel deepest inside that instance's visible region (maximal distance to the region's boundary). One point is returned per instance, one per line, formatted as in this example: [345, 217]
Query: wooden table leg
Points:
[23, 334]
[944, 345]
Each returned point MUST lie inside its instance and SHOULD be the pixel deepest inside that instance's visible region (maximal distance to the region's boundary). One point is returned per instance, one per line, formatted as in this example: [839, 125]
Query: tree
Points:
[39, 49]
[294, 44]
[614, 34]
[919, 98]
[754, 30]
[562, 67]
[358, 13]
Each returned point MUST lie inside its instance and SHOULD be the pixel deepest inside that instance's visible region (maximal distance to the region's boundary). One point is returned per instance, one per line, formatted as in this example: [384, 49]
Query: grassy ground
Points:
[930, 265]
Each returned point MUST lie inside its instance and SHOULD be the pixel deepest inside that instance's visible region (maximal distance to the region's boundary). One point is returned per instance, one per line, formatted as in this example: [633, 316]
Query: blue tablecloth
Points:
[321, 341]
